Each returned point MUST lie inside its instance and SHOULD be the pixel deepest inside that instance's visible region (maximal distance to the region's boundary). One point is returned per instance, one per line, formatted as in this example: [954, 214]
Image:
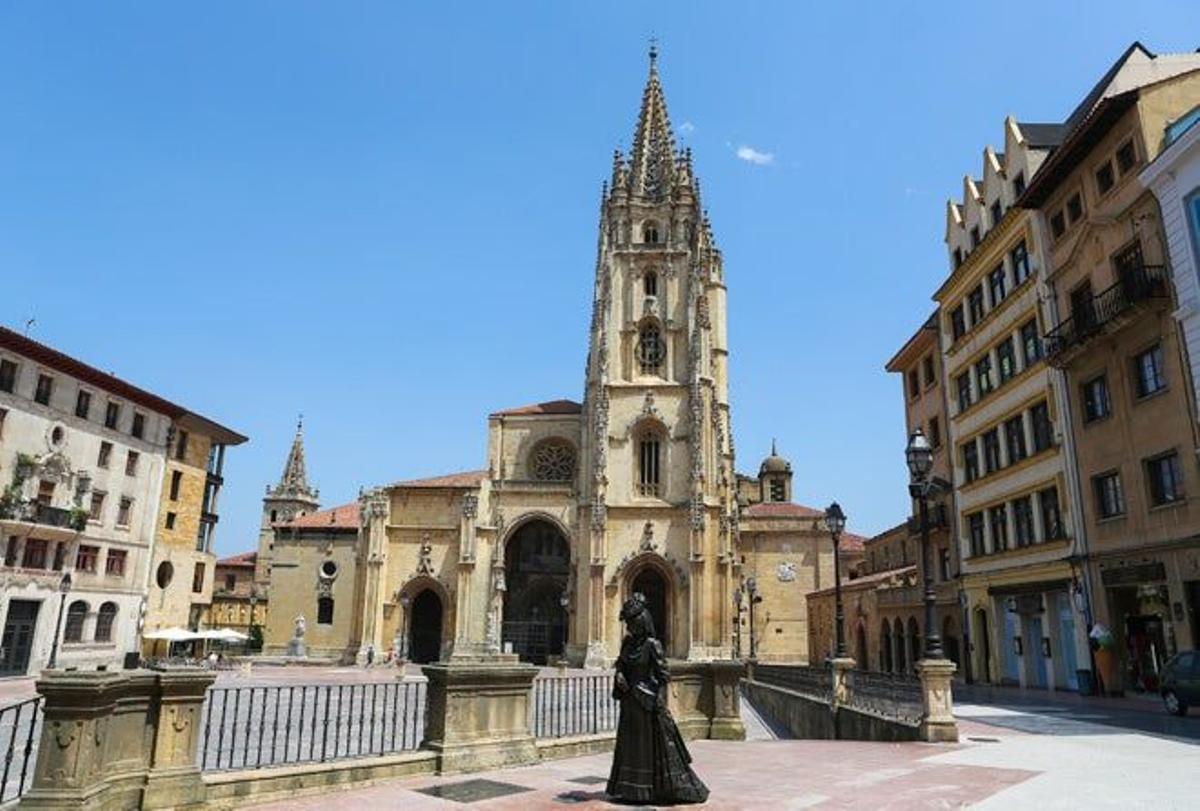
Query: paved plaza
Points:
[1019, 750]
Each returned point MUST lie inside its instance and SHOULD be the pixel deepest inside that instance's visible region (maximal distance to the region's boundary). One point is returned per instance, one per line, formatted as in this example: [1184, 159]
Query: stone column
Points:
[174, 779]
[477, 713]
[937, 717]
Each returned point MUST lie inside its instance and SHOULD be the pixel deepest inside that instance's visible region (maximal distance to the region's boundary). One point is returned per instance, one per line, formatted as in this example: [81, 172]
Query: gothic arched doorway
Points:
[425, 628]
[537, 562]
[650, 583]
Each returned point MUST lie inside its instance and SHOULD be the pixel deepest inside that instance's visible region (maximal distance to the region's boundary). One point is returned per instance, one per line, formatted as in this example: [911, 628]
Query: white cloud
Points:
[687, 127]
[752, 155]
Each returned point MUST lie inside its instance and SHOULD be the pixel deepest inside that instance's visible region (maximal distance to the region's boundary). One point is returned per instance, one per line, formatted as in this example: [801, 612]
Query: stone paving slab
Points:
[742, 775]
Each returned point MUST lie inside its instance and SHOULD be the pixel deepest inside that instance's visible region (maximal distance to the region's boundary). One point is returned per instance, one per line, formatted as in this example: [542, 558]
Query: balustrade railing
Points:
[573, 705]
[251, 727]
[891, 695]
[20, 732]
[1134, 285]
[815, 682]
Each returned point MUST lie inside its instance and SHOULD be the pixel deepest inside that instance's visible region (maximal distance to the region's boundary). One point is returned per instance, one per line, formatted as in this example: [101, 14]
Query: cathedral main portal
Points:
[537, 562]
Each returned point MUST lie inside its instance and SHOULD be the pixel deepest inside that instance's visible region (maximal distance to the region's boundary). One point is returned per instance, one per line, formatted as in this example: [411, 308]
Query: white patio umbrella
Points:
[224, 635]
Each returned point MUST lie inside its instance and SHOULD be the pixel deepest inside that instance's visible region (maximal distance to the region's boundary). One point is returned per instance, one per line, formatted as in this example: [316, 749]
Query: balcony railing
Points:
[36, 513]
[1105, 309]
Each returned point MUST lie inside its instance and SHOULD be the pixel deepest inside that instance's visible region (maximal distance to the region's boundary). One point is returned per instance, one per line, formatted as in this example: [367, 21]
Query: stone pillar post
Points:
[841, 682]
[91, 754]
[727, 714]
[374, 507]
[174, 779]
[477, 713]
[937, 717]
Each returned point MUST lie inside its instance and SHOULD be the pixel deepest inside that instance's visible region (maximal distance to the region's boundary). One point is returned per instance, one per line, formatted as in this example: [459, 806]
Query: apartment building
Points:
[1128, 392]
[82, 458]
[1014, 516]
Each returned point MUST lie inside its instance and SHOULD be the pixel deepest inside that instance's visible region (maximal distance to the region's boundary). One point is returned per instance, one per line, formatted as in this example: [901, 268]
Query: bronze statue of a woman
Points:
[650, 762]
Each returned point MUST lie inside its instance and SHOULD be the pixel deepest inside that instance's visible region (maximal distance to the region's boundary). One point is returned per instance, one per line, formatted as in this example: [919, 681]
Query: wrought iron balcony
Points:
[1107, 311]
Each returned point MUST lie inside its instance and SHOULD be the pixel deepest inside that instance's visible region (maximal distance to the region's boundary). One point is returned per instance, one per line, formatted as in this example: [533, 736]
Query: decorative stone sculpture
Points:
[295, 646]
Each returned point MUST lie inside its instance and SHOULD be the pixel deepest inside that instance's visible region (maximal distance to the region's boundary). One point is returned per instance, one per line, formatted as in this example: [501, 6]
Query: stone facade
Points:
[186, 526]
[236, 602]
[1128, 382]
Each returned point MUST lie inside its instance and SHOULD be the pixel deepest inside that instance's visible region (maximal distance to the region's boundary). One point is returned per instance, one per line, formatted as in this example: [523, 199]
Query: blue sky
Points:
[384, 216]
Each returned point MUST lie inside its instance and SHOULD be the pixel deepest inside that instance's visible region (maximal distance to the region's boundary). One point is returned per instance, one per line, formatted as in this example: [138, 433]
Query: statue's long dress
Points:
[650, 762]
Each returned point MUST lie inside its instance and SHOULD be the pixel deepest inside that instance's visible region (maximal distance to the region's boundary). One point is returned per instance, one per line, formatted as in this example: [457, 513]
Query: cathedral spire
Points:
[652, 160]
[294, 481]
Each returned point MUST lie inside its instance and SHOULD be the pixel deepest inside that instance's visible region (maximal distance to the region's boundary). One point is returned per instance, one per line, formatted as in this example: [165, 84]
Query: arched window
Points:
[651, 350]
[273, 516]
[552, 460]
[650, 283]
[650, 463]
[325, 611]
[104, 622]
[650, 232]
[73, 630]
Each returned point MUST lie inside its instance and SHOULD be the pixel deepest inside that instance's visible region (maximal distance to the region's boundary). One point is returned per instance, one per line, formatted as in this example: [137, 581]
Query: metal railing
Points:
[251, 727]
[573, 705]
[814, 682]
[891, 695]
[20, 733]
[1136, 285]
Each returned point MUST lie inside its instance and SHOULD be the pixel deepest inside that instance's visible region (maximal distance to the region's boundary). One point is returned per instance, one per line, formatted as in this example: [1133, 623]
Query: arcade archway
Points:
[537, 562]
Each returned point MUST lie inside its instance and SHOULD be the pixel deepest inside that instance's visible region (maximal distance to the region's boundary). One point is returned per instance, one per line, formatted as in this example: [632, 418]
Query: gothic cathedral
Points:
[579, 504]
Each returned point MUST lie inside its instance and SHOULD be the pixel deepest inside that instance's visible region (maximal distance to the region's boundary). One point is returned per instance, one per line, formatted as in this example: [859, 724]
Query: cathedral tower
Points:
[289, 499]
[657, 478]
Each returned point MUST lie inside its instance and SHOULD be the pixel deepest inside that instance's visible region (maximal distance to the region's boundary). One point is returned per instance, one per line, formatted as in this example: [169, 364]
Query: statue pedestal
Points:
[295, 648]
[477, 713]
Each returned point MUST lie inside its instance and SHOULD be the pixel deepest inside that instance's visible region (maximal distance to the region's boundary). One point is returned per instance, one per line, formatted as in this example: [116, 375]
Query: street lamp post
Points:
[737, 623]
[755, 597]
[64, 586]
[405, 601]
[835, 520]
[919, 456]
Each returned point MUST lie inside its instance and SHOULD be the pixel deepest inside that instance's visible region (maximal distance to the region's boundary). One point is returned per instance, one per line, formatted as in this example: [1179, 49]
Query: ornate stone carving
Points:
[648, 544]
[425, 558]
[470, 505]
[786, 571]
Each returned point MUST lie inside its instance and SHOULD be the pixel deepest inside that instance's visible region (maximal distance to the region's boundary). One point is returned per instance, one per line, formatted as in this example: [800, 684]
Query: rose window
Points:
[553, 461]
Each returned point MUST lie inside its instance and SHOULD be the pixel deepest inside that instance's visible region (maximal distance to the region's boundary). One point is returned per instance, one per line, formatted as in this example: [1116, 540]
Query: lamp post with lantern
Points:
[64, 586]
[919, 456]
[835, 522]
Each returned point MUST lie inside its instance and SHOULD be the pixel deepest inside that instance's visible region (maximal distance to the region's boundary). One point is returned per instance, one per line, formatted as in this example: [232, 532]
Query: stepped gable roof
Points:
[62, 362]
[242, 559]
[468, 480]
[556, 407]
[341, 518]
